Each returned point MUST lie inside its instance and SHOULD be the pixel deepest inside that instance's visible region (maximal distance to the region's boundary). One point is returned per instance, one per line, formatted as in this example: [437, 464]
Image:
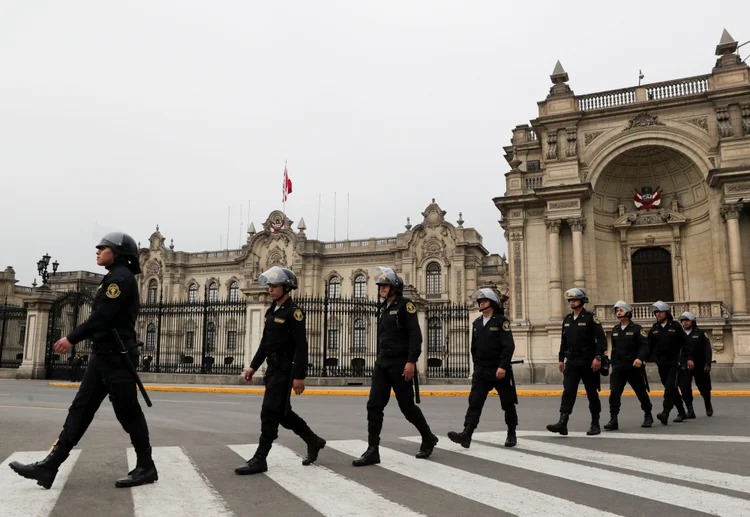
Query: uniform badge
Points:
[596, 320]
[298, 315]
[410, 308]
[113, 291]
[644, 332]
[506, 325]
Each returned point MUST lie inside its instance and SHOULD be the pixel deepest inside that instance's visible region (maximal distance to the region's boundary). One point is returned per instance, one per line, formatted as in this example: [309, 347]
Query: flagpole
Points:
[283, 189]
[347, 216]
[317, 230]
[334, 216]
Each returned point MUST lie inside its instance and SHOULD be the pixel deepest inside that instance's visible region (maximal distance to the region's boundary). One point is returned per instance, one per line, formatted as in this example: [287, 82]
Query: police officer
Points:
[492, 349]
[284, 347]
[629, 354]
[115, 306]
[399, 344]
[699, 367]
[667, 343]
[583, 344]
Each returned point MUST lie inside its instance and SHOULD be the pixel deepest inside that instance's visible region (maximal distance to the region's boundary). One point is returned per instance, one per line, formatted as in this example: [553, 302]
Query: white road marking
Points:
[642, 436]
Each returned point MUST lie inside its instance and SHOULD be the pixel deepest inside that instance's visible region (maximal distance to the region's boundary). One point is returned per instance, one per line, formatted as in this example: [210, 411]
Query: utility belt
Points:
[276, 360]
[393, 352]
[111, 348]
[580, 354]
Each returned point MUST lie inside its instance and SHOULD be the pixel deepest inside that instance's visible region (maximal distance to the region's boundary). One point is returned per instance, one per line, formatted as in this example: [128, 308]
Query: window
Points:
[153, 288]
[193, 293]
[231, 340]
[360, 286]
[234, 291]
[434, 335]
[334, 287]
[22, 335]
[360, 334]
[210, 336]
[189, 339]
[333, 339]
[533, 166]
[150, 336]
[213, 292]
[434, 279]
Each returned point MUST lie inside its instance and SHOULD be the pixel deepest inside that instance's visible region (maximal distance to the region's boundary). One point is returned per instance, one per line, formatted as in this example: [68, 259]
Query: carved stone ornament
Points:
[563, 204]
[701, 122]
[650, 240]
[154, 268]
[731, 210]
[433, 215]
[156, 241]
[433, 248]
[717, 341]
[572, 136]
[745, 113]
[536, 212]
[725, 122]
[553, 225]
[516, 235]
[552, 145]
[713, 161]
[517, 299]
[277, 222]
[276, 257]
[643, 119]
[591, 136]
[577, 224]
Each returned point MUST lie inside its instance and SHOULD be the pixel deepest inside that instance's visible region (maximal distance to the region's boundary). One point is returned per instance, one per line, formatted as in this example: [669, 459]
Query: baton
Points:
[131, 368]
[416, 385]
[645, 378]
[520, 361]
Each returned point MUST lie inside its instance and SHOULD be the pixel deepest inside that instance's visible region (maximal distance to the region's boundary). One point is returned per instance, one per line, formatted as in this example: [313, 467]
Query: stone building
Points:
[638, 194]
[10, 293]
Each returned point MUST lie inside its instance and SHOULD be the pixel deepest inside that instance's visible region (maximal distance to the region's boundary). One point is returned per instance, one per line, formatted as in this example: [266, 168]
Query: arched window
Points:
[210, 336]
[213, 292]
[334, 287]
[193, 293]
[231, 334]
[360, 336]
[434, 279]
[153, 289]
[150, 336]
[434, 335]
[234, 291]
[360, 287]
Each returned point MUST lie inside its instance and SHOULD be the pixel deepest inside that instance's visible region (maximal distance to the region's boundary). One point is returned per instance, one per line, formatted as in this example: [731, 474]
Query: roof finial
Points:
[408, 224]
[460, 220]
[171, 244]
[157, 227]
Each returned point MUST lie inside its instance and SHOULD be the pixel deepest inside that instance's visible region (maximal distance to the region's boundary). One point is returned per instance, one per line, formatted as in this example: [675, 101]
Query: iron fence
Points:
[68, 311]
[448, 341]
[12, 335]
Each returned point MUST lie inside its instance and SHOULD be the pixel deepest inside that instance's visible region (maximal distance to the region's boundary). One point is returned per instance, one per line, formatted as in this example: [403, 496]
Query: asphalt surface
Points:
[698, 467]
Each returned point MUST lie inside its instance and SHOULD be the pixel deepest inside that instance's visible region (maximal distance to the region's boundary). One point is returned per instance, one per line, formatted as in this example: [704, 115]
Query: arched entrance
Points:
[652, 275]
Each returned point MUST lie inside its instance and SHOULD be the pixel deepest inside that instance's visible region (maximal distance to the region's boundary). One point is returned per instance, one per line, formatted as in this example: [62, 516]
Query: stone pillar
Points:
[577, 225]
[257, 304]
[35, 346]
[731, 213]
[421, 304]
[555, 280]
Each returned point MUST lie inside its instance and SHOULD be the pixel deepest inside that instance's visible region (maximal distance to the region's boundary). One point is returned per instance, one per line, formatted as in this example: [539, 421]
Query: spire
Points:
[251, 230]
[302, 226]
[726, 45]
[559, 75]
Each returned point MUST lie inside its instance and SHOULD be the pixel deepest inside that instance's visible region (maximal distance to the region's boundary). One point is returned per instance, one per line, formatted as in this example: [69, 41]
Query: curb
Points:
[364, 393]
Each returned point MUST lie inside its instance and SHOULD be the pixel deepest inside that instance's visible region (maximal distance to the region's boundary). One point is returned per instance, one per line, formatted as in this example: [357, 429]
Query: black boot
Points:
[143, 473]
[681, 416]
[44, 471]
[464, 437]
[561, 426]
[709, 408]
[314, 445]
[690, 411]
[511, 440]
[612, 425]
[663, 417]
[370, 457]
[594, 428]
[648, 420]
[428, 445]
[257, 463]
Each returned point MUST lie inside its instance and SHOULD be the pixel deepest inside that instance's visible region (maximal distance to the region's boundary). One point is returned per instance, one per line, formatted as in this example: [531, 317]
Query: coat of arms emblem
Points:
[647, 198]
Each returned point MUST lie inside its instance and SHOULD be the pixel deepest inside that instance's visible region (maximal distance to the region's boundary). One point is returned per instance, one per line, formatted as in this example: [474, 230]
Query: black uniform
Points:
[667, 345]
[284, 348]
[701, 352]
[492, 347]
[582, 341]
[628, 344]
[399, 342]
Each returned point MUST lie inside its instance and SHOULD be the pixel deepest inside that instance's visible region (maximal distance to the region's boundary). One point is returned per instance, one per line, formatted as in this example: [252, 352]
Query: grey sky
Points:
[125, 115]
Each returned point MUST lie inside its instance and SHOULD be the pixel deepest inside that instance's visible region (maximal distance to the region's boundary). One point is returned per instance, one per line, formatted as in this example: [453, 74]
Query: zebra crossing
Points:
[540, 477]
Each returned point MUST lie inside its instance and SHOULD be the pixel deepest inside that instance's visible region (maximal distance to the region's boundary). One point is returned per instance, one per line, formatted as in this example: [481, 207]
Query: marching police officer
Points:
[583, 344]
[629, 354]
[667, 342]
[284, 347]
[399, 343]
[115, 306]
[492, 349]
[700, 366]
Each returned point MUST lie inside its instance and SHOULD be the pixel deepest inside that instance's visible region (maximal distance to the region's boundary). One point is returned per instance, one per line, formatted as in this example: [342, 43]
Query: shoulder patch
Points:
[644, 332]
[410, 308]
[596, 320]
[298, 315]
[113, 291]
[506, 325]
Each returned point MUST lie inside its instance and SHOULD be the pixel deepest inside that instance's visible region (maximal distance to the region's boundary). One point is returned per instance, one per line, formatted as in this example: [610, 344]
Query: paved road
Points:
[696, 468]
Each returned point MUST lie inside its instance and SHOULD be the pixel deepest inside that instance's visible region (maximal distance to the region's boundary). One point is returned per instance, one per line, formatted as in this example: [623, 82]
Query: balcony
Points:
[709, 313]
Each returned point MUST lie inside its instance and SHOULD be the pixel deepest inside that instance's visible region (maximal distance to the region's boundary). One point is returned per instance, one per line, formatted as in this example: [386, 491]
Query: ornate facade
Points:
[638, 194]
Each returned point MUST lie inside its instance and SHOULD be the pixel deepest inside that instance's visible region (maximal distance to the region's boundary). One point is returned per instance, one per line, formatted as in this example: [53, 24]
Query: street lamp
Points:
[42, 268]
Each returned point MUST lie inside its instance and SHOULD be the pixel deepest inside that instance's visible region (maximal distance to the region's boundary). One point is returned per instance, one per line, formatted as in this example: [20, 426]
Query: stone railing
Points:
[610, 99]
[531, 182]
[648, 92]
[642, 312]
[678, 88]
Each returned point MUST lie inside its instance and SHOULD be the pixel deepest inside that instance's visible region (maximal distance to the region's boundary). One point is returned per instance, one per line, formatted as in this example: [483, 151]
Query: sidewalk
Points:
[733, 389]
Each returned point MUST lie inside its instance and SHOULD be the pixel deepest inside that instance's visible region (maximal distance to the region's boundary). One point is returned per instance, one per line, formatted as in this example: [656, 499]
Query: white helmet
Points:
[660, 306]
[623, 305]
[485, 294]
[688, 316]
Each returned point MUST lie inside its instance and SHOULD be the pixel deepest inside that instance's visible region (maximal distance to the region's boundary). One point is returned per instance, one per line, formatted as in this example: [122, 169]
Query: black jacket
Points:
[115, 306]
[582, 338]
[668, 344]
[628, 345]
[700, 347]
[492, 344]
[398, 330]
[284, 339]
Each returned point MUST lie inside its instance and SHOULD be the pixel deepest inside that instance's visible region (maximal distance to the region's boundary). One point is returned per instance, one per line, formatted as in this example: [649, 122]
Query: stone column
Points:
[35, 346]
[555, 280]
[731, 213]
[577, 225]
[257, 304]
[421, 304]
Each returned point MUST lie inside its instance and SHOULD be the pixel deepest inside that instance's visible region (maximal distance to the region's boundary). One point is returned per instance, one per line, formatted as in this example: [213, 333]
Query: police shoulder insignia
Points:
[298, 315]
[410, 308]
[644, 332]
[506, 325]
[113, 291]
[596, 320]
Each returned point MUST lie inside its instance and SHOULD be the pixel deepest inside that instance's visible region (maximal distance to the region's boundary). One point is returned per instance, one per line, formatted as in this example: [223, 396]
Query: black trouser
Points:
[669, 374]
[577, 370]
[387, 374]
[277, 407]
[482, 382]
[702, 382]
[617, 380]
[107, 375]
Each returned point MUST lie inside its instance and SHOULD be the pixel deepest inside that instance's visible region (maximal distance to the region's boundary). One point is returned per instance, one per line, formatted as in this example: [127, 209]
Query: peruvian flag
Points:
[287, 187]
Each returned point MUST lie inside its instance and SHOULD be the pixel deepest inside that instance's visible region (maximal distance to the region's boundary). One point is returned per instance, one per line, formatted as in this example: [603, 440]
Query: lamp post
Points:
[42, 268]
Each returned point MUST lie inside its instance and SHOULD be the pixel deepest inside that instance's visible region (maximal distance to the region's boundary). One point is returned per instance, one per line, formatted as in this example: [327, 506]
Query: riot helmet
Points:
[278, 276]
[124, 248]
[486, 293]
[660, 306]
[689, 316]
[577, 294]
[387, 276]
[620, 304]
